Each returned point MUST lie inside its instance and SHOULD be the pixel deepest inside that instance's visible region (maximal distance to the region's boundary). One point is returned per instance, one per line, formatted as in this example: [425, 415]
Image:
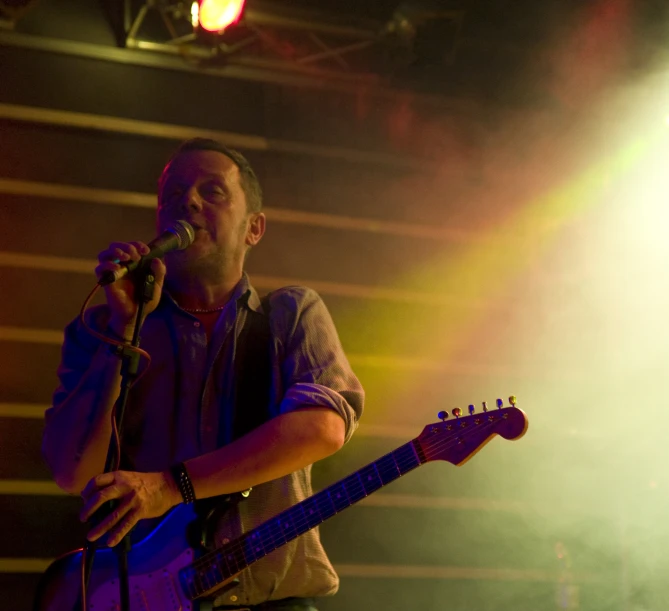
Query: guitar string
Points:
[277, 537]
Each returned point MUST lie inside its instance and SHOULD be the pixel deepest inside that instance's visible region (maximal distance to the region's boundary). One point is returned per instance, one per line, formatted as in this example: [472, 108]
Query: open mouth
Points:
[196, 226]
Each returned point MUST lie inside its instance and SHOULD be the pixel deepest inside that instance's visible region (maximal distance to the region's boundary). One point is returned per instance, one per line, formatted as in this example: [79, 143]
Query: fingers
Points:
[98, 491]
[134, 496]
[99, 481]
[119, 252]
[159, 270]
[117, 524]
[124, 526]
[125, 251]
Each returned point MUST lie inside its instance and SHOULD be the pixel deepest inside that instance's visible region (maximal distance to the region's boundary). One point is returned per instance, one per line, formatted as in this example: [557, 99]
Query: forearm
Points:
[78, 430]
[282, 445]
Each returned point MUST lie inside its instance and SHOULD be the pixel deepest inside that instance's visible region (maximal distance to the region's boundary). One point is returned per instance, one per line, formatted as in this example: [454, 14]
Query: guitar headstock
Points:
[457, 438]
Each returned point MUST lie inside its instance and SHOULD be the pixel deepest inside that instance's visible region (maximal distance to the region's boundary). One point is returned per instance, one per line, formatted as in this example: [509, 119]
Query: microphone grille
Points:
[184, 232]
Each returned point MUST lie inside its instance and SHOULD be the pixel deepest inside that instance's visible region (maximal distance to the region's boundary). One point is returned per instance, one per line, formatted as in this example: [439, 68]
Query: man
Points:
[180, 416]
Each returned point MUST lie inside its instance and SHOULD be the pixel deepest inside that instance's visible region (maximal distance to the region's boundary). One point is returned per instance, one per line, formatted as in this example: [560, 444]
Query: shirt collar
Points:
[243, 294]
[249, 296]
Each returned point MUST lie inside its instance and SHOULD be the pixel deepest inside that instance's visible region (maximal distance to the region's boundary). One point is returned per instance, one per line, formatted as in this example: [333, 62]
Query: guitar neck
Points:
[212, 569]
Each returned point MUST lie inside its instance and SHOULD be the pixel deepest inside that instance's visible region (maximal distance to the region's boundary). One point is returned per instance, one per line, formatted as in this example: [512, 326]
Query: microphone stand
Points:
[144, 290]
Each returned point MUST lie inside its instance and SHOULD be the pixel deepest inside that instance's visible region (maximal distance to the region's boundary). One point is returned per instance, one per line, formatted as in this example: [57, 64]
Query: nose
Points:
[190, 201]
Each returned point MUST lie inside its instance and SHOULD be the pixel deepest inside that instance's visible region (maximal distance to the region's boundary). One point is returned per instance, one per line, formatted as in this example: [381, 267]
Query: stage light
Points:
[195, 14]
[216, 15]
[422, 35]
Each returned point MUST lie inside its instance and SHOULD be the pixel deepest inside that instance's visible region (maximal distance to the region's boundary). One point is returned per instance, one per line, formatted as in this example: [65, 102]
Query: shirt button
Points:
[233, 598]
[197, 323]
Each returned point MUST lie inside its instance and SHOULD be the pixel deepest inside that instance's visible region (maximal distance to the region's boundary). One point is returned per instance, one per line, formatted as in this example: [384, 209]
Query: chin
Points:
[194, 258]
[180, 259]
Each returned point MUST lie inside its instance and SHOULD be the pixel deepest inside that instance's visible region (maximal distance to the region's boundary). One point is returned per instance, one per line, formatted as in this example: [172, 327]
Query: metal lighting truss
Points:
[269, 39]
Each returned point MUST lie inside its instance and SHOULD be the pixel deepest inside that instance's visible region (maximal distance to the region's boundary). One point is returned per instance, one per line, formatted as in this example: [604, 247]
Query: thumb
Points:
[159, 270]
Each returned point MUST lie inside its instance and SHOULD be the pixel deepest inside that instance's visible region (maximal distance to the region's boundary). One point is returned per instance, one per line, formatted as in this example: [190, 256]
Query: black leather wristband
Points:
[182, 480]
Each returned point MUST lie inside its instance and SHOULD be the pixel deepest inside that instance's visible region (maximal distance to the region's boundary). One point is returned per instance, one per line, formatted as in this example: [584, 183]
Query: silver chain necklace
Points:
[203, 310]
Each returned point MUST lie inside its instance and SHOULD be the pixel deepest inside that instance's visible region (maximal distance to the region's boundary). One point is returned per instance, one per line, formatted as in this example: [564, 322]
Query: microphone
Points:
[177, 237]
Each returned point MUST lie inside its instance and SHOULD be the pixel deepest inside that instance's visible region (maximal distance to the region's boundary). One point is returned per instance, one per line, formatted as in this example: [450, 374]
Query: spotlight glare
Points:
[195, 14]
[216, 15]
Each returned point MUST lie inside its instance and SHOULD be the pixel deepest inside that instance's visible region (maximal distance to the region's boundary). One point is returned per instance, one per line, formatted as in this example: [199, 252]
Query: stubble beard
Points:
[213, 267]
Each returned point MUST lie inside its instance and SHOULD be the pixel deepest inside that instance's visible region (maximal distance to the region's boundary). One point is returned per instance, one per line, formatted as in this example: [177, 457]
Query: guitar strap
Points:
[253, 372]
[251, 405]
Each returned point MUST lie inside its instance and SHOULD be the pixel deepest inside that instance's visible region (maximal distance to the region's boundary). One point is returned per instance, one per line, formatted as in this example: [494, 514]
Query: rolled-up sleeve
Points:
[315, 371]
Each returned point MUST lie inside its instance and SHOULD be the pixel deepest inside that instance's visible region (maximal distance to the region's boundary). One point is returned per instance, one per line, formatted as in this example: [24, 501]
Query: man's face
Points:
[203, 188]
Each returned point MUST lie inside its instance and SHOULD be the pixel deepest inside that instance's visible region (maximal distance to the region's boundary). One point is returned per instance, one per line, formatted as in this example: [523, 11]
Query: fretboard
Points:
[209, 571]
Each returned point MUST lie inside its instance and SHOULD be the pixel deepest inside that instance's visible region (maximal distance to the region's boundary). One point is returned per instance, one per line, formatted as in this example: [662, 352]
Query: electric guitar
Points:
[166, 572]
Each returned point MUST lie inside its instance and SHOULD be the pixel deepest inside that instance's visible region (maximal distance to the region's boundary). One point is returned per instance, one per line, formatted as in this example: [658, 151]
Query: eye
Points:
[214, 190]
[172, 193]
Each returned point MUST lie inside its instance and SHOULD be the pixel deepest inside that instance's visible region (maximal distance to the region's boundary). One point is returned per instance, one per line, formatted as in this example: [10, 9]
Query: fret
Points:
[267, 536]
[251, 548]
[287, 526]
[362, 483]
[256, 543]
[354, 488]
[370, 477]
[340, 498]
[418, 450]
[215, 576]
[330, 500]
[186, 579]
[387, 469]
[204, 575]
[234, 557]
[278, 538]
[312, 511]
[297, 518]
[375, 464]
[406, 458]
[218, 575]
[302, 524]
[304, 513]
[191, 582]
[221, 561]
[397, 467]
[325, 504]
[197, 578]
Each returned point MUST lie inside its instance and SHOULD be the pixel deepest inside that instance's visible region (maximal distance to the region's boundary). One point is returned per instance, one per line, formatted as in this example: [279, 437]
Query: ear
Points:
[255, 229]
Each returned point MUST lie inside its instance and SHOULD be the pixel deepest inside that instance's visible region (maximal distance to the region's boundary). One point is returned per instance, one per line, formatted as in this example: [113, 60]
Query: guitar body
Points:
[153, 566]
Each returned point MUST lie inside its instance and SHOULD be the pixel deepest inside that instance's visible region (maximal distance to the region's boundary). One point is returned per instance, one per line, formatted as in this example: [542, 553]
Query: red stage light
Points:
[216, 15]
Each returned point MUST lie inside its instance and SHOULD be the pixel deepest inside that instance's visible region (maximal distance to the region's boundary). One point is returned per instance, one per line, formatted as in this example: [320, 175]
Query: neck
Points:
[195, 293]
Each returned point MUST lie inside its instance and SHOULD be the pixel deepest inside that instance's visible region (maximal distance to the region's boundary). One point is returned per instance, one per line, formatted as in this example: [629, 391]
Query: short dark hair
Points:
[247, 177]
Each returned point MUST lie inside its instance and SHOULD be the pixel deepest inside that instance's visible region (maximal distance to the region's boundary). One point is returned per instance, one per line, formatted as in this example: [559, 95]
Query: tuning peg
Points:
[485, 406]
[471, 409]
[512, 400]
[500, 404]
[457, 412]
[442, 415]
